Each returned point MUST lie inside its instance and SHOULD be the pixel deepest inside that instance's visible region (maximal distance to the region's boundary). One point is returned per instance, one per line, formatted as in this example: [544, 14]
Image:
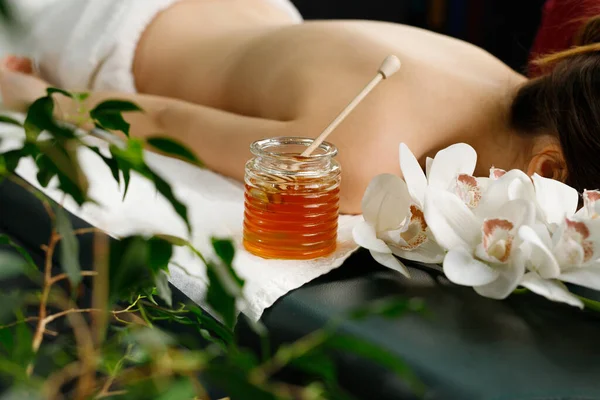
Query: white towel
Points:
[90, 44]
[215, 206]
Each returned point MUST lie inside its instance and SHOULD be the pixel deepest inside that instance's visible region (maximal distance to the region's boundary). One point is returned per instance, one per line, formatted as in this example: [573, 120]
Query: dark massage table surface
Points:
[464, 347]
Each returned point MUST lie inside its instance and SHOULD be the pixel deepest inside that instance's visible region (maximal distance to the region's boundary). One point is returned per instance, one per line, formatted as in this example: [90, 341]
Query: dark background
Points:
[505, 28]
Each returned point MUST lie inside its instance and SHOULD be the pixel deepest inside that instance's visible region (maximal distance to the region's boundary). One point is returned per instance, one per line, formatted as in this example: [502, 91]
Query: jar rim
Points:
[263, 147]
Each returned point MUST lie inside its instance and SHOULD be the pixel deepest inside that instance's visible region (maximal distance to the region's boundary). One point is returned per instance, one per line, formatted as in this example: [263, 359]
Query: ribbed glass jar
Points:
[291, 202]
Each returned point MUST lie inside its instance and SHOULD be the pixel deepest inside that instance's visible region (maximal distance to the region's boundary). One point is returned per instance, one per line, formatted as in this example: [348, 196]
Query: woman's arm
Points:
[220, 139]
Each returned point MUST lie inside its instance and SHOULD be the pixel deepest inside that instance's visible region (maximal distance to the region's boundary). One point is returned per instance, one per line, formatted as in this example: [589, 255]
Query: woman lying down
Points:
[220, 74]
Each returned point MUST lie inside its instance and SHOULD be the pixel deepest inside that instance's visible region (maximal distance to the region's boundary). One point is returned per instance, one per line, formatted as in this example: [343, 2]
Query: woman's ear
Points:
[549, 163]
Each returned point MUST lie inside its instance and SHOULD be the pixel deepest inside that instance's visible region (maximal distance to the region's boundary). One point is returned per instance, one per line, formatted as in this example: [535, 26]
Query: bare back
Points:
[259, 64]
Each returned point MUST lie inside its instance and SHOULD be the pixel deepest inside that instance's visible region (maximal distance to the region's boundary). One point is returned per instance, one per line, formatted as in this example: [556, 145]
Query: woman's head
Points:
[561, 111]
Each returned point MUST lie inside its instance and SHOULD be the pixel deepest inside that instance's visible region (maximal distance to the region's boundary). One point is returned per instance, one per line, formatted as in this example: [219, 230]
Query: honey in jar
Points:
[291, 202]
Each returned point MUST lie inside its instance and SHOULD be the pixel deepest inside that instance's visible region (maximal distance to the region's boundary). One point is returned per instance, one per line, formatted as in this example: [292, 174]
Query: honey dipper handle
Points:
[389, 67]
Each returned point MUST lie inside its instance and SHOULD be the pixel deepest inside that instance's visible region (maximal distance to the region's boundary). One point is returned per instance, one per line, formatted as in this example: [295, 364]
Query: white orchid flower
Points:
[483, 250]
[591, 205]
[571, 255]
[554, 200]
[451, 169]
[386, 208]
[394, 226]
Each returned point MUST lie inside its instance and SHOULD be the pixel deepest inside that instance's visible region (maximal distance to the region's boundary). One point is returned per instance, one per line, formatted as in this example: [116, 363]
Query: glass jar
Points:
[291, 202]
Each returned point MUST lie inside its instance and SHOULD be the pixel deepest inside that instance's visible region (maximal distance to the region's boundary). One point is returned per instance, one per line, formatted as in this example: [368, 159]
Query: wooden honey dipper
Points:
[389, 67]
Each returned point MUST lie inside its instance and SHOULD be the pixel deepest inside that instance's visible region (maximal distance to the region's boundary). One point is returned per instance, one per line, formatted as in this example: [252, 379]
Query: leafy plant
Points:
[120, 345]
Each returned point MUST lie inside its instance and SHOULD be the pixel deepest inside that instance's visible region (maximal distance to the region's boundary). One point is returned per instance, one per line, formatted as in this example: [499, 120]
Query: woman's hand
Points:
[19, 87]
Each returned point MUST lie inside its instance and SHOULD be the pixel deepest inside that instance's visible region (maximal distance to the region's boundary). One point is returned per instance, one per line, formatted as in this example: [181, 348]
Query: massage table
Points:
[464, 347]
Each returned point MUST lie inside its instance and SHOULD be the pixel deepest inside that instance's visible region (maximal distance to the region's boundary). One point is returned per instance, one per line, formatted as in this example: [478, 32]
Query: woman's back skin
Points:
[264, 66]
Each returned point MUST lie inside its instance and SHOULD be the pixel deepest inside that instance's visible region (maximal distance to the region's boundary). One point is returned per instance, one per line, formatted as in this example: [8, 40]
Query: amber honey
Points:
[291, 203]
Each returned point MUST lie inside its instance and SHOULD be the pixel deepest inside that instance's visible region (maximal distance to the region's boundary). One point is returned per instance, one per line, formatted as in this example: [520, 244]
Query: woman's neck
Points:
[500, 145]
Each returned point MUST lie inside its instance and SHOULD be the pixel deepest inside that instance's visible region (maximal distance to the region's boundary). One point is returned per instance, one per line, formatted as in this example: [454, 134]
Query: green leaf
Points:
[243, 359]
[165, 189]
[126, 171]
[6, 340]
[219, 299]
[131, 269]
[235, 383]
[379, 355]
[161, 252]
[52, 91]
[109, 106]
[46, 170]
[12, 157]
[61, 160]
[5, 240]
[11, 301]
[6, 12]
[69, 247]
[163, 288]
[128, 269]
[11, 265]
[224, 283]
[131, 156]
[22, 353]
[174, 148]
[81, 97]
[112, 121]
[182, 389]
[124, 166]
[111, 163]
[174, 240]
[226, 251]
[108, 115]
[214, 327]
[39, 118]
[318, 364]
[389, 308]
[8, 120]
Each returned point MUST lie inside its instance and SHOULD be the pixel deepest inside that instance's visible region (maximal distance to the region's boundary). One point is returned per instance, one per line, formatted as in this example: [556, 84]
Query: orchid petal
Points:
[569, 253]
[429, 252]
[484, 183]
[428, 163]
[555, 199]
[499, 192]
[461, 268]
[388, 260]
[577, 242]
[520, 185]
[365, 236]
[586, 276]
[457, 159]
[541, 257]
[413, 174]
[496, 173]
[519, 212]
[450, 220]
[508, 280]
[386, 202]
[582, 214]
[550, 289]
[591, 202]
[593, 240]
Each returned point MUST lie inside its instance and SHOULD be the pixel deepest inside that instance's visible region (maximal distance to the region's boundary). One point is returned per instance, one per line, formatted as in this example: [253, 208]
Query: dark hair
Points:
[565, 101]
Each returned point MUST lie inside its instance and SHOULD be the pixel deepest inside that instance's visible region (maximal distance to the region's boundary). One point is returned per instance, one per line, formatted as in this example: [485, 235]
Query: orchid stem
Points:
[590, 304]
